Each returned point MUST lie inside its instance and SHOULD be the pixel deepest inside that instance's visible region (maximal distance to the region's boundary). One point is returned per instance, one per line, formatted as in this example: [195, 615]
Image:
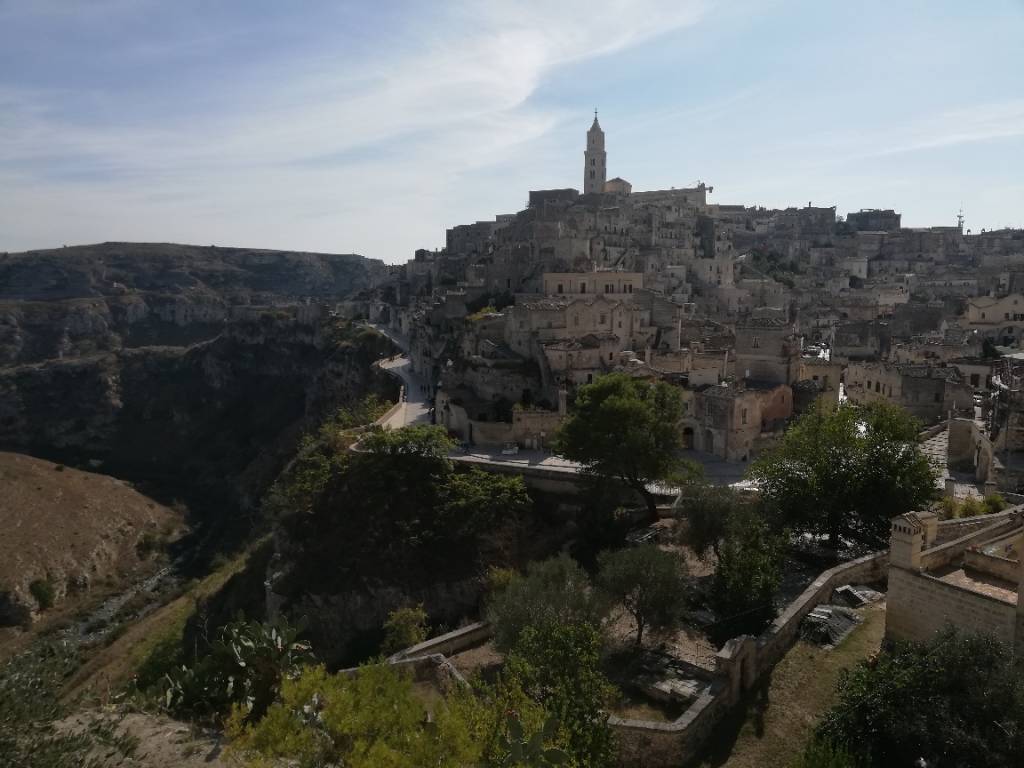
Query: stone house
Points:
[729, 421]
[998, 319]
[767, 350]
[927, 392]
[613, 284]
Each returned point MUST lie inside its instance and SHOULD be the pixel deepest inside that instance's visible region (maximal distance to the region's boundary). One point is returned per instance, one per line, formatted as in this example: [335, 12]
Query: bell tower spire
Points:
[594, 159]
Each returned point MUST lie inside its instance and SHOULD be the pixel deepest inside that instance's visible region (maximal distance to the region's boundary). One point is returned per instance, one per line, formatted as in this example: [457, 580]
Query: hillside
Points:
[76, 531]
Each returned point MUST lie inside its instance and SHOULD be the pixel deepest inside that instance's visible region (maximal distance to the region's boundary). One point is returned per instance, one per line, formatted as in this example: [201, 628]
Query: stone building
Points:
[604, 282]
[767, 350]
[927, 392]
[998, 319]
[729, 421]
[595, 160]
[874, 220]
[974, 583]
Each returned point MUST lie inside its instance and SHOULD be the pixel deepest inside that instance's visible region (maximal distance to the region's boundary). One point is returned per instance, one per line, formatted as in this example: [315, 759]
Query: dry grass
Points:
[779, 717]
[110, 669]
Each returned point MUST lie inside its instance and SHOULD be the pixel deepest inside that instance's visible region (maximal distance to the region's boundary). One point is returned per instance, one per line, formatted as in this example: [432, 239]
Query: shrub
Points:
[555, 591]
[972, 507]
[821, 753]
[405, 627]
[994, 503]
[244, 668]
[42, 590]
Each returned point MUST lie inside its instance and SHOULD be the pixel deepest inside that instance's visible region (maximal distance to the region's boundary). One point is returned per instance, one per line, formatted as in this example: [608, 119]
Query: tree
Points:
[846, 474]
[648, 582]
[625, 428]
[404, 628]
[558, 666]
[555, 591]
[748, 573]
[954, 701]
[705, 514]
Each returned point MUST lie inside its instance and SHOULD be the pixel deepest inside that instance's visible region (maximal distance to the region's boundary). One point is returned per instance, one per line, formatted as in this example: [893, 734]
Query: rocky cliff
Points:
[78, 301]
[189, 370]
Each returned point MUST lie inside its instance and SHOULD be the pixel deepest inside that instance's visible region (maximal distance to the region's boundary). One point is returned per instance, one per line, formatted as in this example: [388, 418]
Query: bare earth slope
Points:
[72, 529]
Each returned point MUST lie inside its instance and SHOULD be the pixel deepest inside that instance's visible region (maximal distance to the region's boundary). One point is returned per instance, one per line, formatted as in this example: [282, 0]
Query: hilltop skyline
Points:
[347, 129]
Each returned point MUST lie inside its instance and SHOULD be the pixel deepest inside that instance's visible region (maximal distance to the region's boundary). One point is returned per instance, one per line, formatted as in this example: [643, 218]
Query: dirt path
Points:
[776, 723]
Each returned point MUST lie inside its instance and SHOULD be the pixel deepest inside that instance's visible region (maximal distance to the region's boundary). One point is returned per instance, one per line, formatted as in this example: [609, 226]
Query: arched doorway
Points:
[688, 438]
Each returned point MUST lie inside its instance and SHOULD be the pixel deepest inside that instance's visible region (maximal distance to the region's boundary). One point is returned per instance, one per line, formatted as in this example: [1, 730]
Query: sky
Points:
[364, 127]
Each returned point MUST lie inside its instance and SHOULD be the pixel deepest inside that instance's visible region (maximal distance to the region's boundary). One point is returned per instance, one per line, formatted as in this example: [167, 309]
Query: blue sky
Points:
[371, 127]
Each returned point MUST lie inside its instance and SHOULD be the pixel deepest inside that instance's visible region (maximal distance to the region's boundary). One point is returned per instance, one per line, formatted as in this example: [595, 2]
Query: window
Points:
[560, 290]
[869, 383]
[603, 319]
[521, 325]
[878, 387]
[611, 355]
[575, 319]
[629, 287]
[982, 315]
[590, 378]
[1006, 315]
[974, 379]
[583, 287]
[620, 323]
[743, 416]
[609, 288]
[593, 161]
[755, 342]
[591, 174]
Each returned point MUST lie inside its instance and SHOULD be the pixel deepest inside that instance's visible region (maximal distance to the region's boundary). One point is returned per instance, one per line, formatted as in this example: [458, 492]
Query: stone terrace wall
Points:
[924, 605]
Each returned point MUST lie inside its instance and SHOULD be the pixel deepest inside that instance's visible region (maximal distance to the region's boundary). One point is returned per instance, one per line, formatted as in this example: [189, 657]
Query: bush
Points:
[405, 627]
[994, 503]
[42, 590]
[244, 668]
[821, 753]
[555, 591]
[954, 701]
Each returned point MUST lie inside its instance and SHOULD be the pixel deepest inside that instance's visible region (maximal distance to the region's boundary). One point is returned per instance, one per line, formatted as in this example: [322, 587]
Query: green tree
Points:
[648, 582]
[705, 514]
[421, 440]
[558, 666]
[846, 474]
[404, 627]
[957, 700]
[625, 428]
[748, 572]
[554, 591]
[397, 509]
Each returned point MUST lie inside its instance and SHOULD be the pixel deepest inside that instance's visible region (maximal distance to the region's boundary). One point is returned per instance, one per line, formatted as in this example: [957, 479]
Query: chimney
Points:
[906, 542]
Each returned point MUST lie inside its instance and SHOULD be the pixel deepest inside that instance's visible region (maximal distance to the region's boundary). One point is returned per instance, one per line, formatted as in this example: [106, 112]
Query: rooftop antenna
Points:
[960, 217]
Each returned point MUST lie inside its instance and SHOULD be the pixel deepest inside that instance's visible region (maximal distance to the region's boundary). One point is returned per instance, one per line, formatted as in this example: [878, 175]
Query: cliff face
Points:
[211, 423]
[189, 369]
[78, 301]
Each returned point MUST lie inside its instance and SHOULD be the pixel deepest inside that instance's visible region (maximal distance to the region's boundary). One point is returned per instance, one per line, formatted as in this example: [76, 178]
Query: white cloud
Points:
[454, 100]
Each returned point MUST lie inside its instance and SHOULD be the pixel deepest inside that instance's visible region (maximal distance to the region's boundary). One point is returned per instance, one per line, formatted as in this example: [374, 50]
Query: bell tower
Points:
[594, 159]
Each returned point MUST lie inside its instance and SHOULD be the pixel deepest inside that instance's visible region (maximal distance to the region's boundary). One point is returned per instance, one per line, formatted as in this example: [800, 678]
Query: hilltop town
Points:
[753, 313]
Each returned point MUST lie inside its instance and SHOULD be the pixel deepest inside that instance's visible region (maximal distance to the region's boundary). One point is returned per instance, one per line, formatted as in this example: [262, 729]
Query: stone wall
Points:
[920, 605]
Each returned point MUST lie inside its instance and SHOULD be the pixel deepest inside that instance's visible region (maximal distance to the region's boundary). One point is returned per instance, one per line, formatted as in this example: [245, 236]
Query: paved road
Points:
[416, 408]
